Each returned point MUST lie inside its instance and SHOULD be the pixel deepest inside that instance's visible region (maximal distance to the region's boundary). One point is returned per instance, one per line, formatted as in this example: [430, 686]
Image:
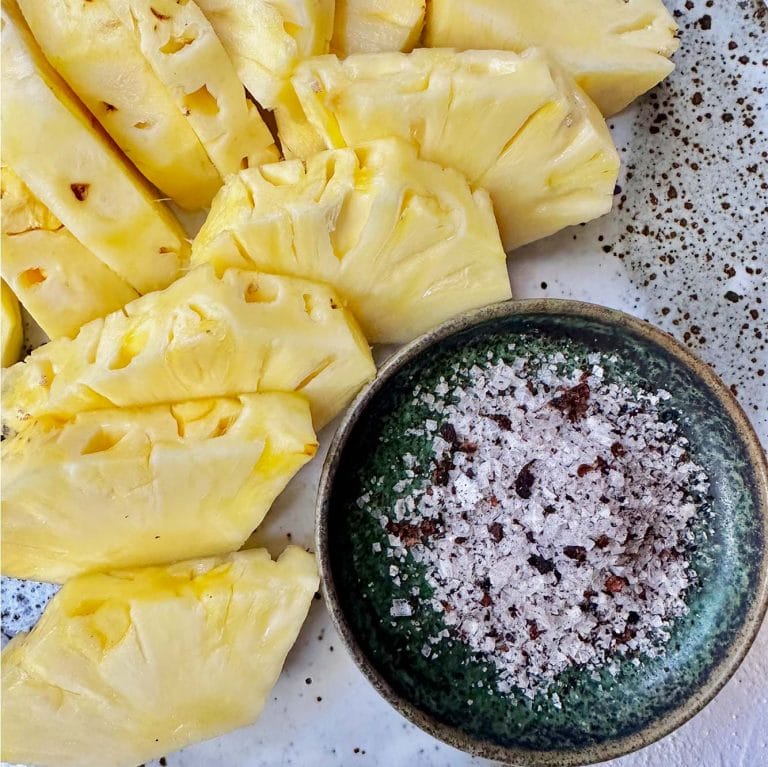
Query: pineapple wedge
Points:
[80, 40]
[514, 125]
[204, 336]
[188, 57]
[147, 486]
[406, 243]
[616, 50]
[125, 667]
[267, 38]
[372, 26]
[86, 183]
[60, 282]
[11, 329]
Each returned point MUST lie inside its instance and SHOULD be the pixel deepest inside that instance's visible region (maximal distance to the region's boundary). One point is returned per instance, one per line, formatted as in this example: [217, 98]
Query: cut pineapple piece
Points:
[148, 486]
[407, 243]
[126, 667]
[204, 336]
[372, 26]
[298, 139]
[615, 49]
[267, 38]
[86, 183]
[514, 125]
[11, 329]
[59, 281]
[81, 40]
[185, 53]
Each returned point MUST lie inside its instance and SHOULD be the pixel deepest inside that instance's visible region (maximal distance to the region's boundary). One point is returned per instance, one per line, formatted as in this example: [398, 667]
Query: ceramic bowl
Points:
[601, 716]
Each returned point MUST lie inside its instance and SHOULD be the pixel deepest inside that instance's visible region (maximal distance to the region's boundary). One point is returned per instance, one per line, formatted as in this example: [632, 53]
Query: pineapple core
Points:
[406, 243]
[515, 125]
[134, 487]
[125, 667]
[204, 336]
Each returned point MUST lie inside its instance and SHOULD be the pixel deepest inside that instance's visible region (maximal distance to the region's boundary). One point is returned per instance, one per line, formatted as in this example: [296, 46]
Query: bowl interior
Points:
[455, 696]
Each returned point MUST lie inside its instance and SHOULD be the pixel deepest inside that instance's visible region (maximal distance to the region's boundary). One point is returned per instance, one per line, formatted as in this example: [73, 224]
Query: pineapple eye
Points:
[31, 277]
[158, 15]
[80, 191]
[177, 42]
[223, 426]
[202, 101]
[130, 348]
[257, 293]
[101, 441]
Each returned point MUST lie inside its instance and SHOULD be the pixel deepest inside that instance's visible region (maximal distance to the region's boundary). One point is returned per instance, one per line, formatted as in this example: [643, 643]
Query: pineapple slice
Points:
[128, 666]
[407, 243]
[60, 282]
[372, 26]
[616, 50]
[11, 329]
[204, 336]
[267, 38]
[86, 183]
[80, 40]
[188, 57]
[515, 125]
[147, 486]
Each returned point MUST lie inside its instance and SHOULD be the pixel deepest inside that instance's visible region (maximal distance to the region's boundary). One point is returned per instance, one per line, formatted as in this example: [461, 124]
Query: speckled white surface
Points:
[686, 248]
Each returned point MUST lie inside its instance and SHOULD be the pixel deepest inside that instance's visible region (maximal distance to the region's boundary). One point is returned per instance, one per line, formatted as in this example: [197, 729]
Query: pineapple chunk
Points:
[267, 38]
[86, 183]
[60, 282]
[80, 40]
[185, 53]
[147, 486]
[615, 49]
[204, 336]
[514, 125]
[371, 26]
[407, 243]
[128, 666]
[298, 139]
[11, 329]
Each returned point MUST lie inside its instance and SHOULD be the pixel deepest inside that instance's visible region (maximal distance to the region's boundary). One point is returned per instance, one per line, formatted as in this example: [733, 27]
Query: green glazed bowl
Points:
[601, 716]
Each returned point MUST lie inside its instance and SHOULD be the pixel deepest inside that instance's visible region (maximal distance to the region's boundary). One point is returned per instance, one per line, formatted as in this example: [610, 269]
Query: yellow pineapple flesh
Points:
[81, 40]
[406, 243]
[614, 49]
[185, 53]
[126, 667]
[11, 329]
[204, 336]
[514, 125]
[267, 38]
[147, 486]
[372, 26]
[58, 280]
[86, 183]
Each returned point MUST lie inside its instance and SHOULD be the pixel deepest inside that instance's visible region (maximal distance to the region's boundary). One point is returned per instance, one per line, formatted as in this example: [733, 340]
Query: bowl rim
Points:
[614, 747]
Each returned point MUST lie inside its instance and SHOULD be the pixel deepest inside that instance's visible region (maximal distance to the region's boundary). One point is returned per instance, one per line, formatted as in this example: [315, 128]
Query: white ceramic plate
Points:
[686, 247]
